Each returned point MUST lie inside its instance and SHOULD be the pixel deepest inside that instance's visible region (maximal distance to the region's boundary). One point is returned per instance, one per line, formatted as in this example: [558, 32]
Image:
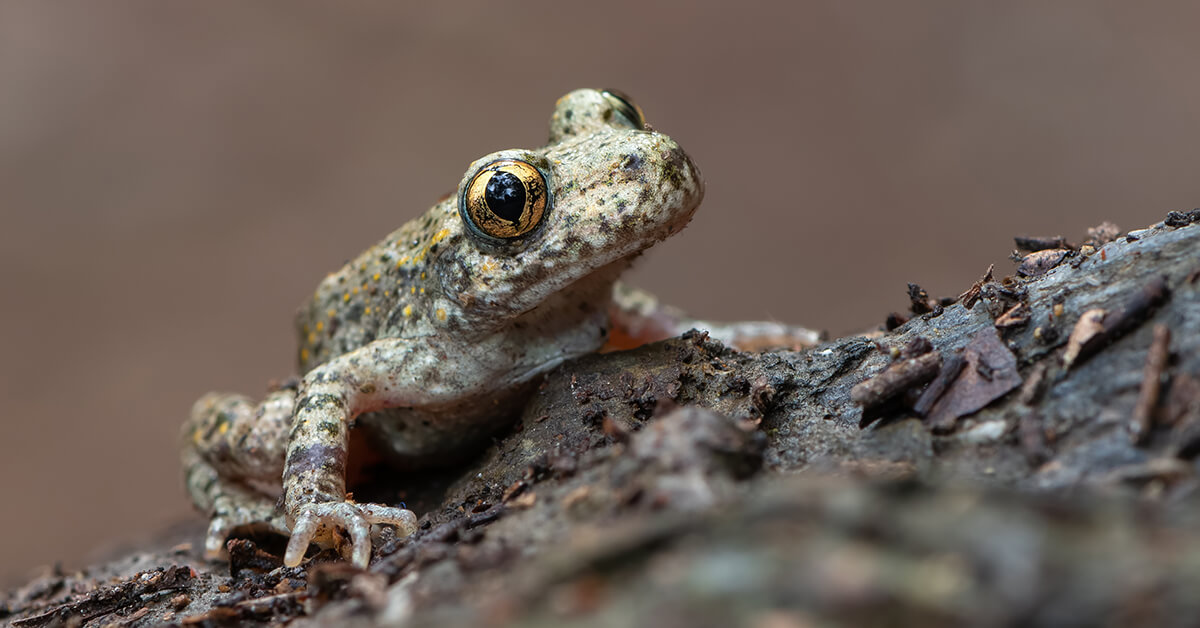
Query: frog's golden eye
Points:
[506, 199]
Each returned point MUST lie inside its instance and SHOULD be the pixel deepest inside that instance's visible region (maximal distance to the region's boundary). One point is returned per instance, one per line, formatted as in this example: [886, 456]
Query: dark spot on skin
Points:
[395, 317]
[325, 377]
[320, 399]
[221, 418]
[354, 314]
[632, 161]
[569, 113]
[673, 165]
[621, 206]
[315, 458]
[330, 428]
[367, 388]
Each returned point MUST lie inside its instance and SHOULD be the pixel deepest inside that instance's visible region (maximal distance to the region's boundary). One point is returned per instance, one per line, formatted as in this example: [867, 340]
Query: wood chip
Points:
[951, 367]
[1016, 316]
[1156, 362]
[1041, 262]
[1092, 333]
[1086, 330]
[971, 296]
[990, 373]
[898, 377]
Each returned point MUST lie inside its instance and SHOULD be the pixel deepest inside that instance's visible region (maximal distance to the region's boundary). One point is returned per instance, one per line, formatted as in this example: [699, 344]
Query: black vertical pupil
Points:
[505, 196]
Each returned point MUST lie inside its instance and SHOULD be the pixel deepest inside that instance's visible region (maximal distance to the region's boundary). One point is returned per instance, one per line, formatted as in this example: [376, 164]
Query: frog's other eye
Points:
[506, 199]
[624, 105]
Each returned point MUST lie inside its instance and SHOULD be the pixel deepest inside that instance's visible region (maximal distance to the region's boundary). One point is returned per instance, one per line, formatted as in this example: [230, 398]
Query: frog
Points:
[428, 343]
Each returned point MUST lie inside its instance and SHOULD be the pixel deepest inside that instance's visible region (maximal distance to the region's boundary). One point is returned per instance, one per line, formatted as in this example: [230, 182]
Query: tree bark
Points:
[1036, 466]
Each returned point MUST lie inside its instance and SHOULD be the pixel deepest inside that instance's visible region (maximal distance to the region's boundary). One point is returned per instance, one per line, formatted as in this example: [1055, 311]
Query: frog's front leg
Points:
[314, 475]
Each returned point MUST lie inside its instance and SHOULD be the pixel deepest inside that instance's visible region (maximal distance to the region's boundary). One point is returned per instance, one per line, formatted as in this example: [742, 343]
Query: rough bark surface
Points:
[1038, 482]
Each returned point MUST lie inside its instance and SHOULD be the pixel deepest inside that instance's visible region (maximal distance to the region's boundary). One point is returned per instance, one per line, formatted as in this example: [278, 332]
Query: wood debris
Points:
[1096, 328]
[1156, 364]
[989, 373]
[1041, 262]
[891, 382]
[972, 295]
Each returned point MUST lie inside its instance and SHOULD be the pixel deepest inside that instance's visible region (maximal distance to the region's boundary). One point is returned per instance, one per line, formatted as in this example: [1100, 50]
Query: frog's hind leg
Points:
[233, 457]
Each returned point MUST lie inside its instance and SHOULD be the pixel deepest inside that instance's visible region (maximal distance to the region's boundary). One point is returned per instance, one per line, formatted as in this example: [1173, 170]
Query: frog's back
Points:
[381, 289]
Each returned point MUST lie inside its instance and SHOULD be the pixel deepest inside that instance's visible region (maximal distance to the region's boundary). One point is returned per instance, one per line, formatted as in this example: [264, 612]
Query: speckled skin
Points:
[429, 339]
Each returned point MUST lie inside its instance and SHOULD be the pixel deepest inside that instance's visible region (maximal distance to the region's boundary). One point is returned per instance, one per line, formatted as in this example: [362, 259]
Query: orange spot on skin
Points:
[441, 314]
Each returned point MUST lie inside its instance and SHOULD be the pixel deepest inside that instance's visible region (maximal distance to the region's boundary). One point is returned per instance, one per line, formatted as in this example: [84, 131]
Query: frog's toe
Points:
[214, 541]
[355, 519]
[404, 520]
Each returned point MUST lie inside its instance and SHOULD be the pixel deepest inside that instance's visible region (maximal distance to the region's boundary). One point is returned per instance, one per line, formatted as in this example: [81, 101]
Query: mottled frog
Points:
[429, 340]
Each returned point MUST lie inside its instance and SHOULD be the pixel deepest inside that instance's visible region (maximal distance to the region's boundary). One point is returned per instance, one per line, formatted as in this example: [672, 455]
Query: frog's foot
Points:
[355, 519]
[638, 318]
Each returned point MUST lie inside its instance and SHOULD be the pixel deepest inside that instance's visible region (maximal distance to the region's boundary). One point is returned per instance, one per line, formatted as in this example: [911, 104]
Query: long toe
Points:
[404, 520]
[302, 534]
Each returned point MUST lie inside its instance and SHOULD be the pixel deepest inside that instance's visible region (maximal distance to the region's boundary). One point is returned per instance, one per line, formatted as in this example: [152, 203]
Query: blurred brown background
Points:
[175, 179]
